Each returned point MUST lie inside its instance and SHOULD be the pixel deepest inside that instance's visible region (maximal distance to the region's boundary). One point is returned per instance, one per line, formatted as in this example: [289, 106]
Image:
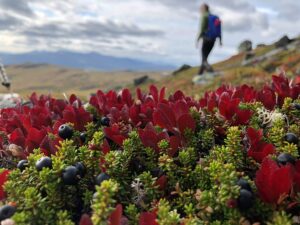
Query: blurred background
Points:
[57, 46]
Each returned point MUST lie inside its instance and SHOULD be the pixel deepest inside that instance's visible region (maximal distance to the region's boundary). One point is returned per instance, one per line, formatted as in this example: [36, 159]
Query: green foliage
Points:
[41, 195]
[104, 202]
[132, 213]
[167, 216]
[280, 218]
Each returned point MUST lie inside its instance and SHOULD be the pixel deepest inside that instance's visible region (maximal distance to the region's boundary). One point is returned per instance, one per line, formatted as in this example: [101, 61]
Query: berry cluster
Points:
[231, 157]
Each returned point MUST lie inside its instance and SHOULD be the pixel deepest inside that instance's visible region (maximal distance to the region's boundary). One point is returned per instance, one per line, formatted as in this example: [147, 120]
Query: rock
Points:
[182, 68]
[283, 42]
[9, 100]
[261, 45]
[15, 150]
[245, 46]
[205, 78]
[249, 55]
[8, 222]
[140, 80]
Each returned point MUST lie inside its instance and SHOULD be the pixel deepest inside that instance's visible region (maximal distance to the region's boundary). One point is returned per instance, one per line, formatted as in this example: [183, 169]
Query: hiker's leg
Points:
[204, 57]
[201, 69]
[205, 50]
[210, 46]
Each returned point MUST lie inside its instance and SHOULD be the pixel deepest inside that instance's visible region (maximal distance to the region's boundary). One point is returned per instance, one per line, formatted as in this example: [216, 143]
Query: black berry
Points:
[101, 177]
[105, 121]
[83, 137]
[169, 132]
[244, 184]
[6, 212]
[44, 162]
[245, 200]
[70, 176]
[137, 166]
[285, 158]
[81, 169]
[22, 164]
[95, 118]
[157, 172]
[109, 141]
[291, 138]
[65, 131]
[297, 106]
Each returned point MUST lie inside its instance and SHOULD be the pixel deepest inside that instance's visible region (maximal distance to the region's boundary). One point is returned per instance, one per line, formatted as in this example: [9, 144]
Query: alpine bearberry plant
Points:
[231, 157]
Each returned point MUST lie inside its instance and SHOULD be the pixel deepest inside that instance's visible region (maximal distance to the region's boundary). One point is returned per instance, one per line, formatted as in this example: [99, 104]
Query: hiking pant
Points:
[207, 46]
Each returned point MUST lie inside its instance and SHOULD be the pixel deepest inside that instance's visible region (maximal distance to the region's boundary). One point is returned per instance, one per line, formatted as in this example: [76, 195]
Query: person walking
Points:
[210, 30]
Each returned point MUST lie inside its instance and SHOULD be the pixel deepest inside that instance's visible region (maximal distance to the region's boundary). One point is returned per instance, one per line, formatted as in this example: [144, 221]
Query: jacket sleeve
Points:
[204, 26]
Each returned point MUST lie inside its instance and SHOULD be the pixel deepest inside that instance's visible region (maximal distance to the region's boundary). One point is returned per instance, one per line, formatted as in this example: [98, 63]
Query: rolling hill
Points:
[264, 62]
[87, 61]
[44, 78]
[256, 70]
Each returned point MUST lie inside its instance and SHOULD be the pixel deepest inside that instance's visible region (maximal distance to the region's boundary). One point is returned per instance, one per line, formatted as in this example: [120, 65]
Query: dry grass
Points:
[235, 74]
[55, 80]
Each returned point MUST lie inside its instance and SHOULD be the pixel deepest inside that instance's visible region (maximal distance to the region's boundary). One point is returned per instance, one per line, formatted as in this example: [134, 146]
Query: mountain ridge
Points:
[87, 61]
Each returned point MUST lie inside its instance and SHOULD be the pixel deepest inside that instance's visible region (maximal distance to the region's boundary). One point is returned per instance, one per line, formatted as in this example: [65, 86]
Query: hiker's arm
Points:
[221, 39]
[204, 27]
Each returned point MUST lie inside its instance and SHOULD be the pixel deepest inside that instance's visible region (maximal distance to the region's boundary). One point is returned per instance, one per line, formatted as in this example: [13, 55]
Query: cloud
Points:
[88, 29]
[8, 22]
[237, 15]
[20, 7]
[290, 11]
[237, 21]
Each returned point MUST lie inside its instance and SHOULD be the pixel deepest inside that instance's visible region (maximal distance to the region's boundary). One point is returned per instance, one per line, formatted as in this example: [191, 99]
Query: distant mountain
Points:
[89, 61]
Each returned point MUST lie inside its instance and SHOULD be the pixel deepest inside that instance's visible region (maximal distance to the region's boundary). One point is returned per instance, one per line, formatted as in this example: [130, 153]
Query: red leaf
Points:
[154, 92]
[267, 97]
[162, 182]
[186, 121]
[113, 133]
[3, 179]
[297, 176]
[260, 152]
[126, 97]
[115, 217]
[180, 108]
[178, 95]
[164, 117]
[149, 139]
[254, 136]
[175, 143]
[273, 181]
[148, 218]
[17, 137]
[162, 94]
[85, 220]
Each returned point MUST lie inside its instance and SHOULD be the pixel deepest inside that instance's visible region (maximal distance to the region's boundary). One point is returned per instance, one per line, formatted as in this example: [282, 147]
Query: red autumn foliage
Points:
[273, 182]
[258, 148]
[85, 220]
[148, 218]
[157, 118]
[116, 216]
[3, 178]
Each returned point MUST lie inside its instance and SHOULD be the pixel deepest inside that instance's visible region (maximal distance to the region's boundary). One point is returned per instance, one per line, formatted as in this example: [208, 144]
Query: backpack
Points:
[214, 27]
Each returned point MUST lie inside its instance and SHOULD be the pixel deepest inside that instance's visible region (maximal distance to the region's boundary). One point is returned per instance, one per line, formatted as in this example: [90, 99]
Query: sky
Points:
[151, 30]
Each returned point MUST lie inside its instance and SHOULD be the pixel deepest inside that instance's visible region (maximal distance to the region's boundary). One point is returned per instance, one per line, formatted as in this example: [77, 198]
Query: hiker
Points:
[210, 30]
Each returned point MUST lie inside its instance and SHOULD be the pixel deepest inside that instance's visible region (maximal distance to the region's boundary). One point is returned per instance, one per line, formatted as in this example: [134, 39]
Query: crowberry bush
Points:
[231, 157]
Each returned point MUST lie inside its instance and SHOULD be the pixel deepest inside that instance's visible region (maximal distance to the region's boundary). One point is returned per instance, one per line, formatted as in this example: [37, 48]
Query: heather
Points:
[229, 157]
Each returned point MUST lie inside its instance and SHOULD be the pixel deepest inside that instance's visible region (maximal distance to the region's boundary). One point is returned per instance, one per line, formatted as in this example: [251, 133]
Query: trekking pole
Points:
[4, 78]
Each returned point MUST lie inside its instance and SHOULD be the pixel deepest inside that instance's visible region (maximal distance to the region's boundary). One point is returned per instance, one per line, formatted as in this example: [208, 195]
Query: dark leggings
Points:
[207, 46]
